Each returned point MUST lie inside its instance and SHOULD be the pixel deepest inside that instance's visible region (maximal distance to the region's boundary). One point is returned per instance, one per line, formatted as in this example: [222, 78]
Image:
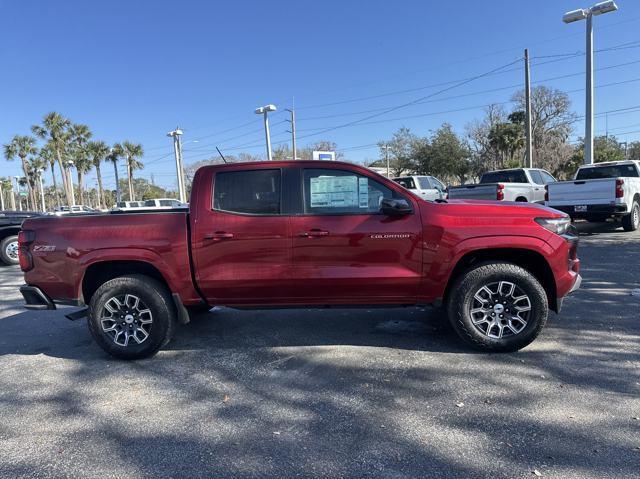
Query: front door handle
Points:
[313, 233]
[218, 235]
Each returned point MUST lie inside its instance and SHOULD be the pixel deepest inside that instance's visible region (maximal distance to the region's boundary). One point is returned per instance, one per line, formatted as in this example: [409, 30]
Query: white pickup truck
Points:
[426, 187]
[519, 184]
[600, 191]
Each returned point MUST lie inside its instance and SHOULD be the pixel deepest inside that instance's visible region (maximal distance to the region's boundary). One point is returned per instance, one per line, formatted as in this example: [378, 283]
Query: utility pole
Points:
[385, 147]
[527, 92]
[177, 150]
[293, 130]
[588, 14]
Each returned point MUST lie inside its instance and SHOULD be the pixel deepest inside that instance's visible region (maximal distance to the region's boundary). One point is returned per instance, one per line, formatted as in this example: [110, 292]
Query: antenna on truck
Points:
[221, 155]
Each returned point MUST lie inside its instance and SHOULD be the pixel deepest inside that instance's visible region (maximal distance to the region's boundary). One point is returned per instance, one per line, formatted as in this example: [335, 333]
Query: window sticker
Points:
[363, 192]
[334, 191]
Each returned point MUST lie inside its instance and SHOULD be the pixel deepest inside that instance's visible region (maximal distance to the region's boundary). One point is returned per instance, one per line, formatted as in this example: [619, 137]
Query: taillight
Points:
[619, 190]
[25, 238]
[546, 192]
[500, 192]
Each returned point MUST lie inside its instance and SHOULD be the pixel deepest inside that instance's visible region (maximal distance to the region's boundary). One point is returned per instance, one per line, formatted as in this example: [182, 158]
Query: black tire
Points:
[154, 297]
[631, 221]
[461, 299]
[6, 245]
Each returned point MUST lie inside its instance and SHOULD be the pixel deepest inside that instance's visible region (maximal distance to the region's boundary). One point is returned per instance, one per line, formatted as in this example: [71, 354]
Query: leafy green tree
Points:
[131, 152]
[54, 129]
[6, 191]
[633, 150]
[508, 139]
[445, 155]
[401, 148]
[22, 146]
[605, 148]
[98, 152]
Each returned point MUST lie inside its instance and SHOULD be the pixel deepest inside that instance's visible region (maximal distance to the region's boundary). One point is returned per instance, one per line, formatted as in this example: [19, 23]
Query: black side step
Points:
[81, 313]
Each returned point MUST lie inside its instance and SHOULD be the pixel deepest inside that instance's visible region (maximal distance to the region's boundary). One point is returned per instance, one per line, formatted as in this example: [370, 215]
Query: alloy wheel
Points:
[11, 250]
[500, 309]
[126, 320]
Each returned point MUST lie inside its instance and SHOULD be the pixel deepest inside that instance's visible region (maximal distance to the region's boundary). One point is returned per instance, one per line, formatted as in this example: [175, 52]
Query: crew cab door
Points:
[345, 250]
[241, 238]
[537, 184]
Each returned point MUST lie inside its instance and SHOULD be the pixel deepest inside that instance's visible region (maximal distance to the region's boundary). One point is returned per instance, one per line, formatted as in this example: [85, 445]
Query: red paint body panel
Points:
[264, 261]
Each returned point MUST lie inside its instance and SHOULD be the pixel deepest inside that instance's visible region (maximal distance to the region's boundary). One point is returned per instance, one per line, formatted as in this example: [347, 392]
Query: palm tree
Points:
[5, 188]
[54, 129]
[98, 152]
[48, 156]
[115, 153]
[22, 146]
[78, 138]
[131, 151]
[37, 165]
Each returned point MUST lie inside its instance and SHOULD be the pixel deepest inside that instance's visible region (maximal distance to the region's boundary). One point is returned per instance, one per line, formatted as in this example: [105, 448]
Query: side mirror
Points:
[395, 207]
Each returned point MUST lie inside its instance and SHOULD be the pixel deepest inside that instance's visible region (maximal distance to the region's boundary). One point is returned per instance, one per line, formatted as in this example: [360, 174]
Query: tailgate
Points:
[582, 192]
[474, 192]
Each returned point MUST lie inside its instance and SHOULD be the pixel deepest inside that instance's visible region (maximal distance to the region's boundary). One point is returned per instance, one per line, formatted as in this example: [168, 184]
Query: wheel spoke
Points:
[126, 320]
[490, 310]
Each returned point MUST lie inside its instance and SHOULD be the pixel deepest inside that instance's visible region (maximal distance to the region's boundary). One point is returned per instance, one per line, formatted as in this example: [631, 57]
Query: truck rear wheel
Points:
[497, 306]
[132, 317]
[631, 222]
[9, 250]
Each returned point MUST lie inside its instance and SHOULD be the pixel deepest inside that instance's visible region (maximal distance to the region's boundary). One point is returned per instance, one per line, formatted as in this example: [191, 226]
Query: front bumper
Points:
[35, 298]
[574, 287]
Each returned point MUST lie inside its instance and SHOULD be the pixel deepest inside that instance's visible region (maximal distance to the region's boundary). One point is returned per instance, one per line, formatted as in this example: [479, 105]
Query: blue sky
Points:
[135, 70]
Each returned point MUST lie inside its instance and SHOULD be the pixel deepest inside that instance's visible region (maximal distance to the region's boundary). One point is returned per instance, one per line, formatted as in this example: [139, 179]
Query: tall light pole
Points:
[588, 14]
[70, 164]
[177, 149]
[386, 157]
[264, 110]
[44, 208]
[13, 198]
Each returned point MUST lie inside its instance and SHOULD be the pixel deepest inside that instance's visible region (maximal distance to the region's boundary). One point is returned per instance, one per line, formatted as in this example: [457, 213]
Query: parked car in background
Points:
[299, 233]
[75, 209]
[426, 187]
[600, 191]
[10, 222]
[164, 203]
[518, 184]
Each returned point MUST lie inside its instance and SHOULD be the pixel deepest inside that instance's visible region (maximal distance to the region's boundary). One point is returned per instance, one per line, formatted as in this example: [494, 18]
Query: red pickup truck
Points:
[302, 233]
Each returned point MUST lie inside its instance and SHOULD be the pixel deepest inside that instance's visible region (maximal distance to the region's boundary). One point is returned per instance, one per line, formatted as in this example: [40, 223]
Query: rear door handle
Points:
[218, 235]
[313, 233]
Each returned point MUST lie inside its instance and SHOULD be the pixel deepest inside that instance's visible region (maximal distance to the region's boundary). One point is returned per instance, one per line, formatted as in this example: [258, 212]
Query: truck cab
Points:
[426, 187]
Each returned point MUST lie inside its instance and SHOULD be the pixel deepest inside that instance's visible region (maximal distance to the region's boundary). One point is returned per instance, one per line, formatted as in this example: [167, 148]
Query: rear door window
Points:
[254, 192]
[425, 184]
[547, 178]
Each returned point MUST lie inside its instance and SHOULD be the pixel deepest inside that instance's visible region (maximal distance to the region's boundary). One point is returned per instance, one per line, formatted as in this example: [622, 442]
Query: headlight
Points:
[556, 225]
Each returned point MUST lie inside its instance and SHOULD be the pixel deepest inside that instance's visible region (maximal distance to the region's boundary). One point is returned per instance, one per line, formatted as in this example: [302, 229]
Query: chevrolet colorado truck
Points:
[301, 234]
[600, 191]
[10, 222]
[519, 184]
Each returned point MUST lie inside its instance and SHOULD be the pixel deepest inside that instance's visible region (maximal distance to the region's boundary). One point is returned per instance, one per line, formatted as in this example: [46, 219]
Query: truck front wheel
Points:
[497, 306]
[631, 222]
[132, 317]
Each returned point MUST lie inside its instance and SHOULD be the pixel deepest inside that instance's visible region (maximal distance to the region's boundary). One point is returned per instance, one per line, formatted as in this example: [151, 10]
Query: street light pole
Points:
[1, 198]
[293, 130]
[177, 150]
[17, 178]
[386, 157]
[588, 14]
[264, 110]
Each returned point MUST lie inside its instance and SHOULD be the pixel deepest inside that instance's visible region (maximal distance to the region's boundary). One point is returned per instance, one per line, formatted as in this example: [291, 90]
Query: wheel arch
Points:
[9, 231]
[100, 272]
[531, 260]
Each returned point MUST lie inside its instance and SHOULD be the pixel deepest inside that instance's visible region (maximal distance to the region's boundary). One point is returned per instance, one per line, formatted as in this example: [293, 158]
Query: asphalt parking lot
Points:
[333, 393]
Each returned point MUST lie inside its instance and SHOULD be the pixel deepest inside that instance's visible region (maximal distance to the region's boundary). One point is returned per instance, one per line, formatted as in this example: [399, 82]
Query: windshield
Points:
[424, 182]
[608, 171]
[507, 176]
